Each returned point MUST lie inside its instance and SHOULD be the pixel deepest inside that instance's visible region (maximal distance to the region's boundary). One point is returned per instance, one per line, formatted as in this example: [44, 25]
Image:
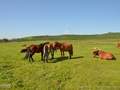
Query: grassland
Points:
[80, 73]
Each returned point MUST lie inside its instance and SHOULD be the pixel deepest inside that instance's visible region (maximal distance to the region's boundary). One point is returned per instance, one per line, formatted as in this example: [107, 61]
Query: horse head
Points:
[96, 51]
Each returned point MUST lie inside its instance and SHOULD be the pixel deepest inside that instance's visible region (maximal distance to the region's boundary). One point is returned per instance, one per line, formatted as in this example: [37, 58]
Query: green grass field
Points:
[83, 72]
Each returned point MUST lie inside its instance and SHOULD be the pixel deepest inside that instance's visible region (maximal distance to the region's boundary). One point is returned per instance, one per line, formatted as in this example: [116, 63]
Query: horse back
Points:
[106, 55]
[35, 48]
[67, 47]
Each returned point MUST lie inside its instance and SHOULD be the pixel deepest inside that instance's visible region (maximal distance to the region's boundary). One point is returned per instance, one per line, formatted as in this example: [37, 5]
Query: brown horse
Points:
[53, 48]
[64, 47]
[103, 55]
[32, 49]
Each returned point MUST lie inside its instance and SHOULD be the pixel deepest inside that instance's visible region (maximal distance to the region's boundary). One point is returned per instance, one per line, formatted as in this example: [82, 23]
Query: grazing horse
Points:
[32, 49]
[64, 47]
[103, 55]
[53, 48]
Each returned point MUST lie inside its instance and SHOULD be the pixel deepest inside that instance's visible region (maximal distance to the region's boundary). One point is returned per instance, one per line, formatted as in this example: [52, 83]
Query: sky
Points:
[20, 18]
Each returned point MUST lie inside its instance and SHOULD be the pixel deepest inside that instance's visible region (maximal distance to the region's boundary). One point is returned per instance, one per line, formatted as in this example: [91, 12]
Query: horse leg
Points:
[32, 58]
[26, 56]
[46, 58]
[42, 56]
[52, 54]
[63, 54]
[69, 55]
[29, 58]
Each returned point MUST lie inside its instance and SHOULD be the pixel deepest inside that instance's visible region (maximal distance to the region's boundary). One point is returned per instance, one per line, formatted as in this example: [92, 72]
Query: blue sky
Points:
[19, 18]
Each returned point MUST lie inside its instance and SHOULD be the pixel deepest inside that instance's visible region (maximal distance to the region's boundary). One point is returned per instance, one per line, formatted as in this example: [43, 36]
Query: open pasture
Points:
[82, 72]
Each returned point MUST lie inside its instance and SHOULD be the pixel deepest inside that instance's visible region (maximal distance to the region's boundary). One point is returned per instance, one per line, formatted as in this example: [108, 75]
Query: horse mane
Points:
[58, 43]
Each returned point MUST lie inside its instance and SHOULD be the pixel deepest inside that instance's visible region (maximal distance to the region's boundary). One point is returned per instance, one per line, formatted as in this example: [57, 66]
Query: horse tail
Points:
[23, 50]
[46, 52]
[71, 51]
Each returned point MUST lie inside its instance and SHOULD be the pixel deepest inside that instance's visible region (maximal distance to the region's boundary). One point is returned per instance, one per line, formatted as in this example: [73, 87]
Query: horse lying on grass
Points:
[103, 55]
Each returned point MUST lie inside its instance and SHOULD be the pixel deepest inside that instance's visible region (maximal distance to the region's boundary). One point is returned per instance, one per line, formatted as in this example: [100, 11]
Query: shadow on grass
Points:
[59, 59]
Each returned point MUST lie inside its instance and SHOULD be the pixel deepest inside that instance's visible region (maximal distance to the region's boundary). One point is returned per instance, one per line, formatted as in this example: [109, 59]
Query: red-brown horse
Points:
[103, 55]
[32, 49]
[64, 47]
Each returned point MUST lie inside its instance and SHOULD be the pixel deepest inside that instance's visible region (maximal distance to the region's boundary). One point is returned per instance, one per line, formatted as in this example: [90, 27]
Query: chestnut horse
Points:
[103, 55]
[64, 47]
[32, 49]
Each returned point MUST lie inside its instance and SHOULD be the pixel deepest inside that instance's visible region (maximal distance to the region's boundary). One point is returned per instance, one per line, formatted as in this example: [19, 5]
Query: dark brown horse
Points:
[32, 49]
[64, 47]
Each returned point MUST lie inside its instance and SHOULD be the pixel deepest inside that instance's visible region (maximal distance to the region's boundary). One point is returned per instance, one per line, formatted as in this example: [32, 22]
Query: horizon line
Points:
[25, 36]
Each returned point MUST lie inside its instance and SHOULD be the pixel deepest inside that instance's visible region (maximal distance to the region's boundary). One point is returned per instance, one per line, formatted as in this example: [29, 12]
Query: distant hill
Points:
[71, 37]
